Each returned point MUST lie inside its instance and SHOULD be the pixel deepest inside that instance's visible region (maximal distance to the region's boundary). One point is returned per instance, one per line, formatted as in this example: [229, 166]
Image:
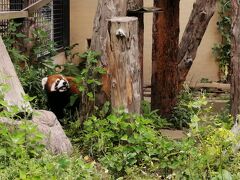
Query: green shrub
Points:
[222, 50]
[121, 141]
[33, 65]
[23, 156]
[187, 106]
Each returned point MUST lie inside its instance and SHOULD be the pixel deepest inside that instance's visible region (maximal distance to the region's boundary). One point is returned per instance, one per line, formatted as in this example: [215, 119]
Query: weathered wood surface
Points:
[54, 139]
[106, 9]
[198, 22]
[133, 5]
[235, 64]
[4, 15]
[124, 65]
[36, 6]
[235, 60]
[9, 76]
[164, 56]
[213, 85]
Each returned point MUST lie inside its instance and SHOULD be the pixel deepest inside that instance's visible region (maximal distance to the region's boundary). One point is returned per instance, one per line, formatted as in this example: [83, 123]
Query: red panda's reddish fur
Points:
[58, 100]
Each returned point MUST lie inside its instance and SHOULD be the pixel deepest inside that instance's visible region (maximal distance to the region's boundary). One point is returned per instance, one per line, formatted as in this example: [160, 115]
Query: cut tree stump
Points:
[124, 64]
[55, 139]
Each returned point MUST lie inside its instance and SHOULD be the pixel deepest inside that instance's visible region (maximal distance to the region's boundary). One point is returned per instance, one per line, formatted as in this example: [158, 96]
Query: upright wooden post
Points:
[133, 5]
[124, 65]
[106, 9]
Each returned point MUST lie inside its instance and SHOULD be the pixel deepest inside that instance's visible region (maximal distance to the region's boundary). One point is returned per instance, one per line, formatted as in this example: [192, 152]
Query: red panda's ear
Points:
[44, 82]
[70, 79]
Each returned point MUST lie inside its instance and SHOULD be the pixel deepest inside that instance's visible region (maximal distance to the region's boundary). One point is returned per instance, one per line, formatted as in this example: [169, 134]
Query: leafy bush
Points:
[31, 65]
[23, 156]
[131, 146]
[187, 106]
[121, 141]
[222, 50]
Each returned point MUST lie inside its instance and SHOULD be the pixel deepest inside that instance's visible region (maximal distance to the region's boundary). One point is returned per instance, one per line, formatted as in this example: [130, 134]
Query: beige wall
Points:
[204, 66]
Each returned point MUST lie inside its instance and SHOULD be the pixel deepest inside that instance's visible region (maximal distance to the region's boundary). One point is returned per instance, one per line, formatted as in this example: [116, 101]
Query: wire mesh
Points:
[50, 17]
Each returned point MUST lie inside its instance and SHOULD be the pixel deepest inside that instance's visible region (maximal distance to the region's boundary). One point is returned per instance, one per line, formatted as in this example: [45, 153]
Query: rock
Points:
[55, 138]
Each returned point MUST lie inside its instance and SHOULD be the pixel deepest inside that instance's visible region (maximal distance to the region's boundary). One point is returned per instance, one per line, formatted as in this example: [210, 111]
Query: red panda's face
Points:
[55, 83]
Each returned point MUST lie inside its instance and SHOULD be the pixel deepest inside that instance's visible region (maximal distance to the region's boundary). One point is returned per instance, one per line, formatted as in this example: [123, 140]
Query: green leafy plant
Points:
[31, 66]
[23, 156]
[187, 106]
[222, 51]
[88, 78]
[121, 141]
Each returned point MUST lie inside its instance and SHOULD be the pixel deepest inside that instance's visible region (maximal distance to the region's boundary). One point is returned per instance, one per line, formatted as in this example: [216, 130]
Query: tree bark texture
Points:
[199, 19]
[164, 56]
[235, 60]
[137, 4]
[106, 9]
[124, 65]
[235, 76]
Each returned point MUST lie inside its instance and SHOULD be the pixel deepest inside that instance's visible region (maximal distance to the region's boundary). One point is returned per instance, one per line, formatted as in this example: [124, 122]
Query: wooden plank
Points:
[145, 10]
[13, 14]
[9, 76]
[35, 6]
[215, 85]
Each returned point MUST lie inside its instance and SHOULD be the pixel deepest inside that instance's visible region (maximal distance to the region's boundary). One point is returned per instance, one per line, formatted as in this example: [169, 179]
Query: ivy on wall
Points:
[222, 50]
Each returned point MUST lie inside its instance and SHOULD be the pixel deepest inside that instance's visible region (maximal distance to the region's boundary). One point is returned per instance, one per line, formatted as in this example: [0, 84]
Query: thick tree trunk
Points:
[235, 77]
[106, 9]
[124, 66]
[164, 56]
[201, 14]
[235, 60]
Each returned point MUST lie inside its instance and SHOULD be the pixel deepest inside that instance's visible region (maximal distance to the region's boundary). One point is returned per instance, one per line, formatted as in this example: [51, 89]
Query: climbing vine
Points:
[222, 50]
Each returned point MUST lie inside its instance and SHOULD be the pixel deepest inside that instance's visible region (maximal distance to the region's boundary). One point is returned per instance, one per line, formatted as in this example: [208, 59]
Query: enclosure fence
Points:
[54, 18]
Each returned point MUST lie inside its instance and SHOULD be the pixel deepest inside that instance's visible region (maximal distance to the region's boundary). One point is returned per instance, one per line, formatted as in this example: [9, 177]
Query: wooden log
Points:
[106, 9]
[9, 76]
[124, 65]
[13, 15]
[133, 5]
[36, 6]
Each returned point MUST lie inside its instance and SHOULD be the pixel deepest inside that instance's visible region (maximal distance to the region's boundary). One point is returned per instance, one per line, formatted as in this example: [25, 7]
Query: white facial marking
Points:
[60, 85]
[53, 86]
[44, 81]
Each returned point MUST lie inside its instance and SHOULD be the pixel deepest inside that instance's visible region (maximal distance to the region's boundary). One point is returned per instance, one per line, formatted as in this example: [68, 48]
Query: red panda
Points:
[59, 90]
